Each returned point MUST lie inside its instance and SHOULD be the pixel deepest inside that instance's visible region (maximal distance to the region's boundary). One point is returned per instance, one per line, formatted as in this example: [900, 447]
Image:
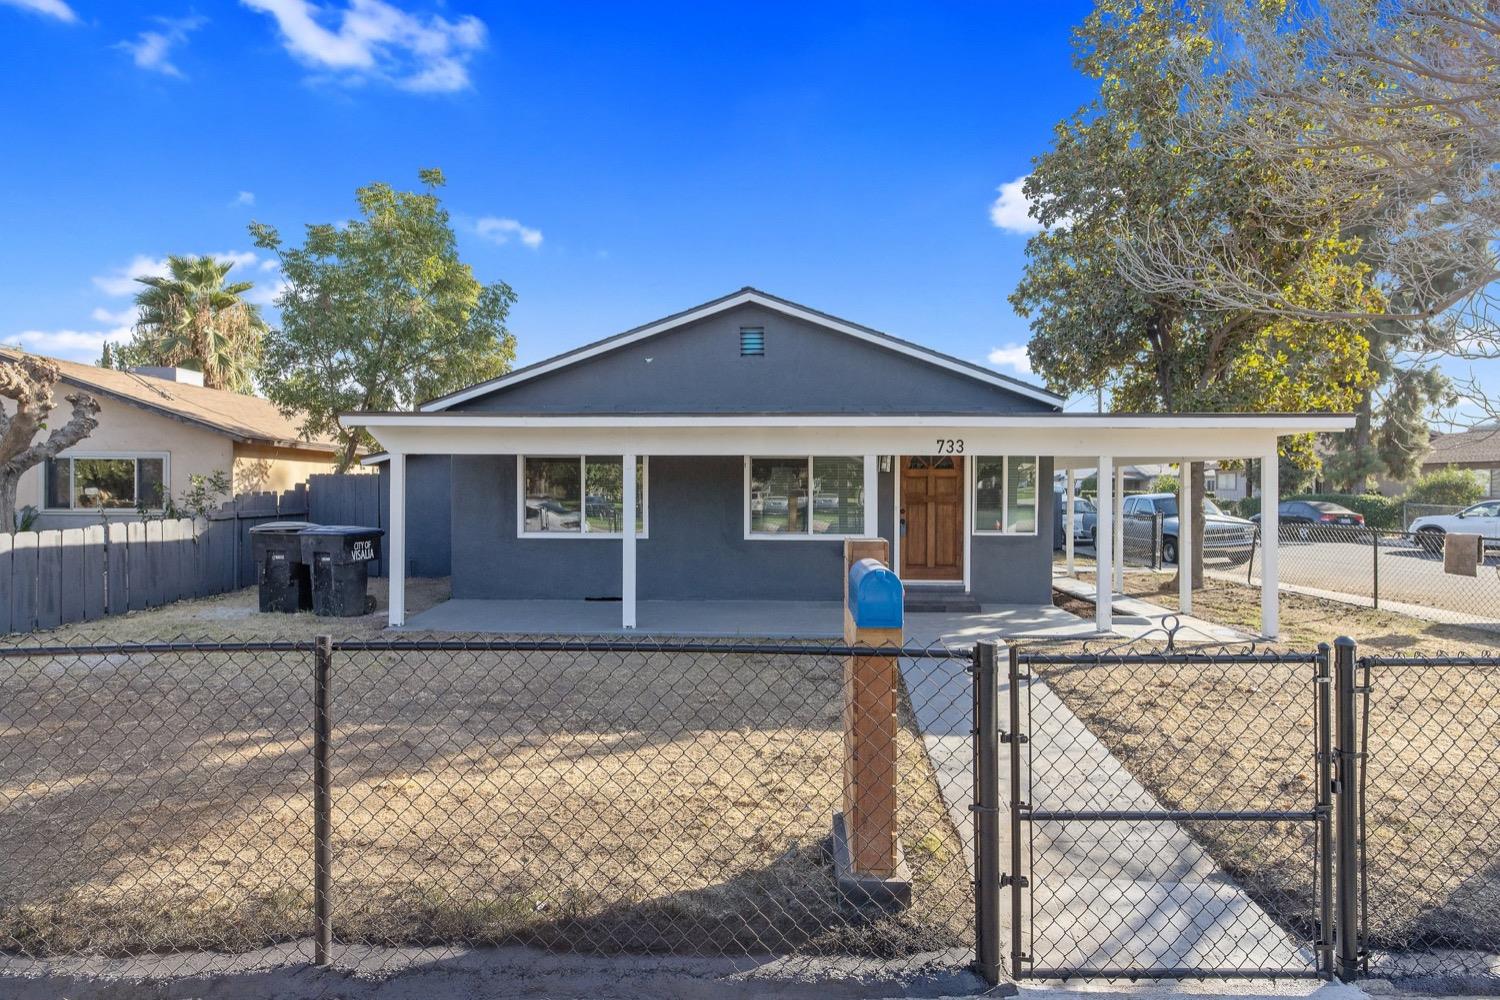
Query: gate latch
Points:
[1017, 738]
[1020, 880]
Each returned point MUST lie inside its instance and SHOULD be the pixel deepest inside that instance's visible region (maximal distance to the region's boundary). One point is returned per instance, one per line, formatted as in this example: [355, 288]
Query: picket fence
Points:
[59, 576]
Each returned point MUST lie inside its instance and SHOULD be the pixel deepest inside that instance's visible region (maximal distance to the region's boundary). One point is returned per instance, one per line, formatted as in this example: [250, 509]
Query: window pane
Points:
[59, 493]
[103, 482]
[153, 488]
[778, 495]
[838, 496]
[553, 494]
[606, 497]
[1020, 512]
[989, 513]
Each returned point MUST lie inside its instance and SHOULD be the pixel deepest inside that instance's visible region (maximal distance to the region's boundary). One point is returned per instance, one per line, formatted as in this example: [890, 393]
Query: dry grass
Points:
[1241, 737]
[598, 802]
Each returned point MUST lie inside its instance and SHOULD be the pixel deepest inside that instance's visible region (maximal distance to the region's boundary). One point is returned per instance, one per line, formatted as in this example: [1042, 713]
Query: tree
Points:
[380, 314]
[190, 318]
[1384, 115]
[28, 382]
[1118, 167]
[1448, 486]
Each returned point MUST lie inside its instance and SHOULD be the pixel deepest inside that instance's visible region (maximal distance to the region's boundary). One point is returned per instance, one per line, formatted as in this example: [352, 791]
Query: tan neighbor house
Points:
[158, 427]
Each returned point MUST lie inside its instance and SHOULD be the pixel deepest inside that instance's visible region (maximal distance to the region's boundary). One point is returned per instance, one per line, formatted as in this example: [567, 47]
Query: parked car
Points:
[547, 514]
[1318, 521]
[1085, 518]
[1224, 536]
[1482, 519]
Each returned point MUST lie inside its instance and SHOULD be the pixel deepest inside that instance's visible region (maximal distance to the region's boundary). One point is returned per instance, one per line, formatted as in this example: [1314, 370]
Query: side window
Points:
[1130, 505]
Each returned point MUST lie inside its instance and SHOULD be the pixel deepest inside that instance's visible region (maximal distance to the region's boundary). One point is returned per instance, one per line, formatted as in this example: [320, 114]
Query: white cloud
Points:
[121, 280]
[118, 317]
[51, 8]
[152, 49]
[71, 345]
[244, 198]
[1012, 356]
[374, 39]
[1010, 210]
[501, 231]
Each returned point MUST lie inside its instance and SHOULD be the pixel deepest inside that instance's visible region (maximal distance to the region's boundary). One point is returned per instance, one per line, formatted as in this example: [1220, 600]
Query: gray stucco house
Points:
[745, 439]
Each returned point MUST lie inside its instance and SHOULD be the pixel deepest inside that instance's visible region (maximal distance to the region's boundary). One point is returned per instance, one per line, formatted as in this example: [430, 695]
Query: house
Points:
[1477, 450]
[1219, 482]
[725, 452]
[157, 427]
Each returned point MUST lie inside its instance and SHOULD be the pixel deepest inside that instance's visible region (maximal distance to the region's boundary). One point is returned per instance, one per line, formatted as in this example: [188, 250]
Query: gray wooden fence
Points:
[60, 576]
[336, 499]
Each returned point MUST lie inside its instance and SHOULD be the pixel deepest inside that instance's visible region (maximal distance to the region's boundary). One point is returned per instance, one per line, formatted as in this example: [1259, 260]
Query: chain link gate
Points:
[1136, 789]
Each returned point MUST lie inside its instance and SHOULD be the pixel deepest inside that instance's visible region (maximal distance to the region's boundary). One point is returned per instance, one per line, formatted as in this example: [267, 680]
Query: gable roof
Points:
[250, 419]
[1482, 444]
[746, 296]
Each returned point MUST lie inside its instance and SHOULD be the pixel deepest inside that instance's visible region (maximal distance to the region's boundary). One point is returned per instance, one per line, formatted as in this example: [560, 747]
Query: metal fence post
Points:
[1324, 805]
[1346, 790]
[1375, 548]
[1157, 521]
[987, 810]
[1019, 880]
[322, 800]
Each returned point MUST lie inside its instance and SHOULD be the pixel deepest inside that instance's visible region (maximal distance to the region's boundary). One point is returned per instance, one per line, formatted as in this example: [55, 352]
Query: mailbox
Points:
[875, 597]
[339, 556]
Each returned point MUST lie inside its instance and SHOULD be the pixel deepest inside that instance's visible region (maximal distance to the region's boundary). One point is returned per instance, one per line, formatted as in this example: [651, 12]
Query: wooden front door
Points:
[932, 512]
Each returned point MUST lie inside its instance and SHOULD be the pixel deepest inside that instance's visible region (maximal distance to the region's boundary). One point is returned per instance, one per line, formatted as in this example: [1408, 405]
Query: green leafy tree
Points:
[192, 319]
[1118, 166]
[380, 314]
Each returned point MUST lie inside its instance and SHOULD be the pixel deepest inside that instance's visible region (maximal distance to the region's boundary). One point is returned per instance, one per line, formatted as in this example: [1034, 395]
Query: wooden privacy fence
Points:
[55, 577]
[346, 499]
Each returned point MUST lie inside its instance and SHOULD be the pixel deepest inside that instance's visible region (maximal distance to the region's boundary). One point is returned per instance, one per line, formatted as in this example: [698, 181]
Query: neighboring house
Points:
[1226, 484]
[1476, 450]
[726, 451]
[157, 427]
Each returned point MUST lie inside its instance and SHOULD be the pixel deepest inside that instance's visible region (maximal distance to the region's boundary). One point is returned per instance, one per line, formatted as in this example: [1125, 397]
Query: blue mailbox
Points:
[875, 598]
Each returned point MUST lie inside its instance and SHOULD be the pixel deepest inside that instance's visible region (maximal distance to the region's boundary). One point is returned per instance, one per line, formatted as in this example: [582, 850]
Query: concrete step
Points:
[924, 600]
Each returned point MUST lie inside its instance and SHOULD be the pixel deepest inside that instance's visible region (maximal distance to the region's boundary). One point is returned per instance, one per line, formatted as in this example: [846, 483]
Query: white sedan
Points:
[1482, 519]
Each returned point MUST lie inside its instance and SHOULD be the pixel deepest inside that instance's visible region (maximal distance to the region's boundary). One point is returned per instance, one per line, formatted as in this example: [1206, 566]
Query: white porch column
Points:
[1119, 537]
[627, 546]
[395, 560]
[1270, 542]
[1104, 584]
[1185, 519]
[872, 494]
[1068, 483]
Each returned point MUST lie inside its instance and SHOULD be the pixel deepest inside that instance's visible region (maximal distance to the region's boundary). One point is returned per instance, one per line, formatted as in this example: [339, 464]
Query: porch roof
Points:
[1090, 435]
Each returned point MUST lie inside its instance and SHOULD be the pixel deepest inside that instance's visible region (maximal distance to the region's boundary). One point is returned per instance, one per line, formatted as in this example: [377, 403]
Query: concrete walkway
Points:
[1105, 894]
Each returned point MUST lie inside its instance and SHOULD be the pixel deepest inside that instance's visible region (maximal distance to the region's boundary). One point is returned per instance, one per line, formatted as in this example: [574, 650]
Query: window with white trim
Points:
[570, 496]
[105, 481]
[801, 497]
[1005, 495]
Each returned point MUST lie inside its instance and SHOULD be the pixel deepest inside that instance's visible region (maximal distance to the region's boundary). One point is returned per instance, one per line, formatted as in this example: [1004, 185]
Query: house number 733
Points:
[950, 446]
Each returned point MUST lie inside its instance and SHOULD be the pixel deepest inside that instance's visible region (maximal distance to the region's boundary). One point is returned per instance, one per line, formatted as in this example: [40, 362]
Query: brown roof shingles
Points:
[1478, 446]
[246, 418]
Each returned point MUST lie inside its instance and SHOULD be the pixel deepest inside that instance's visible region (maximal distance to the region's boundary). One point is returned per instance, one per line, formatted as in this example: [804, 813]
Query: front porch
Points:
[790, 620]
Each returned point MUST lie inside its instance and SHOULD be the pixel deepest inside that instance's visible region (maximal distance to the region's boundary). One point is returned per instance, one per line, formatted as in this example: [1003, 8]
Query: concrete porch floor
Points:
[719, 619]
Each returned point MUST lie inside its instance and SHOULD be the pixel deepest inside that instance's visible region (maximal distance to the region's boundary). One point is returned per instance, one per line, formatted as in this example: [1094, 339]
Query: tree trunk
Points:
[9, 480]
[347, 456]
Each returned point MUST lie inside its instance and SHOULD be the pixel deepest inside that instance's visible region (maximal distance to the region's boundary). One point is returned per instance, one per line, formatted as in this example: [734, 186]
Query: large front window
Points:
[801, 497]
[1005, 495]
[576, 495]
[105, 482]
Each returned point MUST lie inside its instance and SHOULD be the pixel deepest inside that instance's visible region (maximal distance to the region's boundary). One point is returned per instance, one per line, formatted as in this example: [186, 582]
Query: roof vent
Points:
[752, 341]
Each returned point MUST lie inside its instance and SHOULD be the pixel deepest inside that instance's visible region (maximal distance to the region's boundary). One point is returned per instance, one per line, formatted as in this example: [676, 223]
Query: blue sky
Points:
[612, 164]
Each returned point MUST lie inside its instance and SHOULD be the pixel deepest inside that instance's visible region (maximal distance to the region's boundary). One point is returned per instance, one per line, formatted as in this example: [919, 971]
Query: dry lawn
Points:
[580, 801]
[1238, 737]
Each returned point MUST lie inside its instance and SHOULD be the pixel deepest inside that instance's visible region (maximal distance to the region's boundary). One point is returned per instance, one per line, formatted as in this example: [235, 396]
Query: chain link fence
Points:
[180, 808]
[1395, 570]
[1430, 818]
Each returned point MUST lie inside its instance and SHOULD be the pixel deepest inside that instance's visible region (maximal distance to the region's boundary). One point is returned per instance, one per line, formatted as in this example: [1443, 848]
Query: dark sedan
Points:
[1318, 521]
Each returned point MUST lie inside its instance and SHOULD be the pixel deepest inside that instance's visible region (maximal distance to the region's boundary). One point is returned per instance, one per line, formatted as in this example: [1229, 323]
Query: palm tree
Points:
[191, 318]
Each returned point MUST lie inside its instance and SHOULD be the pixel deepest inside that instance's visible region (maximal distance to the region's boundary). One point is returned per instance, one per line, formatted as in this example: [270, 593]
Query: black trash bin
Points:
[338, 556]
[279, 567]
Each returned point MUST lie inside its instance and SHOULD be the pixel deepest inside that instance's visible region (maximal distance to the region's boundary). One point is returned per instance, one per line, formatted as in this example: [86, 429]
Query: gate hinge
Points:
[975, 807]
[1017, 738]
[1020, 880]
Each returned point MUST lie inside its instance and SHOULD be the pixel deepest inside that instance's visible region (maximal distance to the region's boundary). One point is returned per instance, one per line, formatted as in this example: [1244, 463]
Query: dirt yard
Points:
[601, 801]
[1238, 737]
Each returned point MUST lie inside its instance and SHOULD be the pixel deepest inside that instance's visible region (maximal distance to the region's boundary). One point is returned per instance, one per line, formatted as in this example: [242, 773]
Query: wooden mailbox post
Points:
[867, 852]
